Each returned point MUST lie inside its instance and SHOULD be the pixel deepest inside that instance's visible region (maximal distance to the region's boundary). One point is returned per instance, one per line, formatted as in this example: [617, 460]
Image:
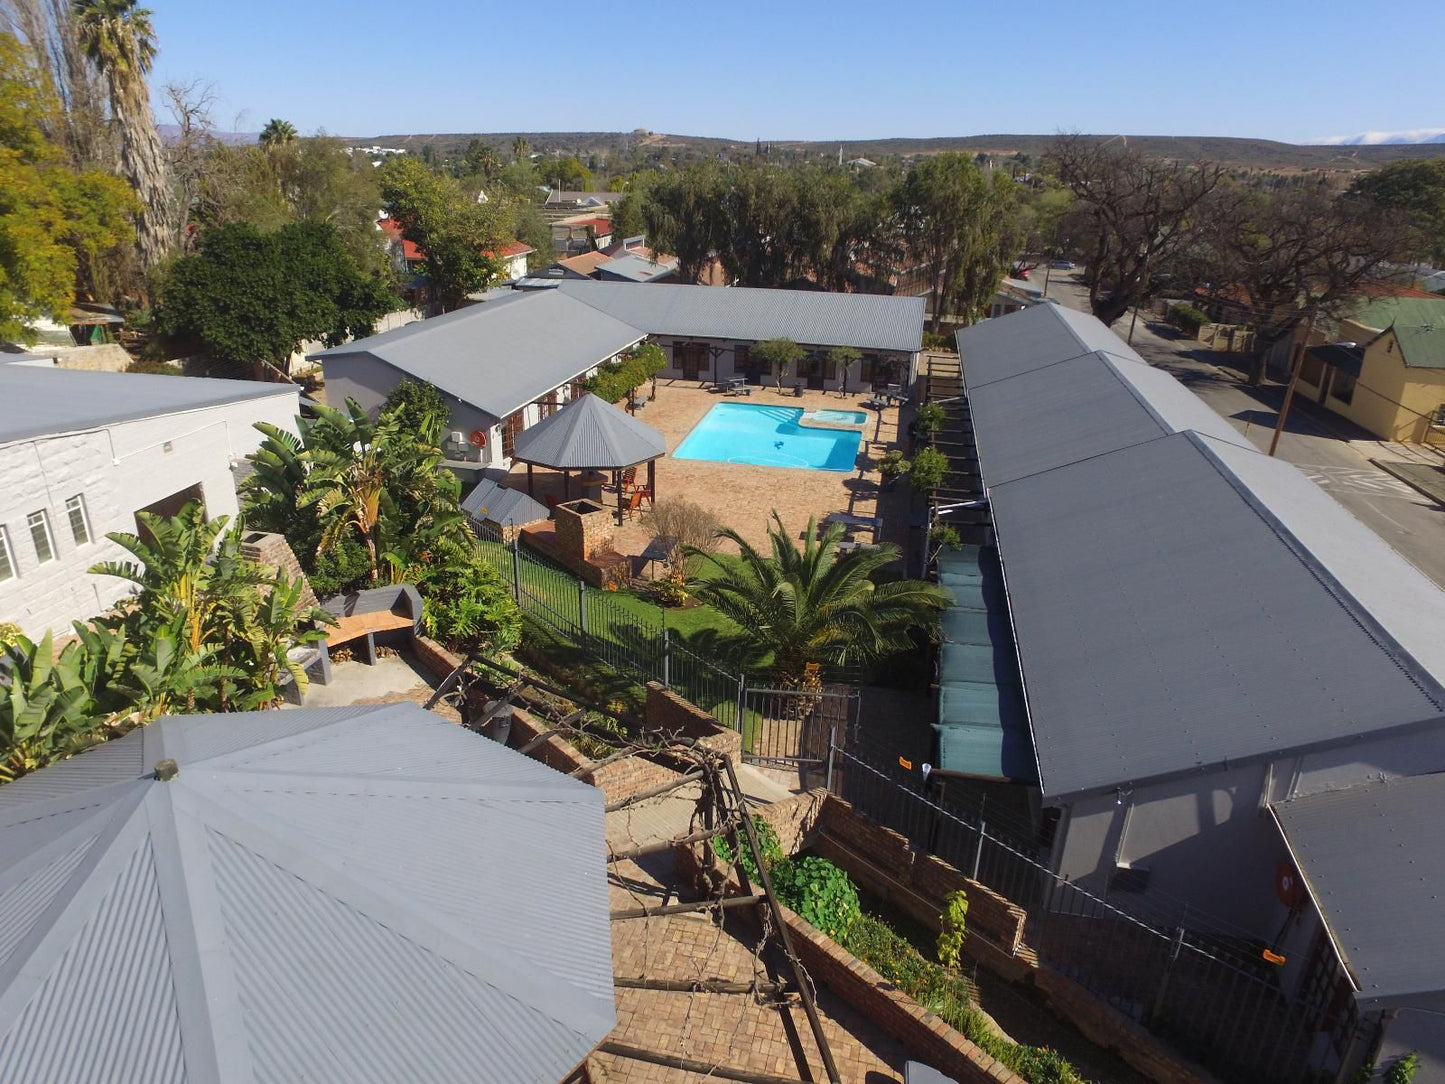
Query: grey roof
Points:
[495, 503]
[816, 318]
[635, 268]
[589, 434]
[360, 894]
[1086, 406]
[1371, 856]
[499, 355]
[1179, 600]
[44, 401]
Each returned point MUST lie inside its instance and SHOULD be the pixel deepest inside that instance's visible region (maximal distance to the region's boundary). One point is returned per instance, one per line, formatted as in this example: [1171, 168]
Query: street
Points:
[1317, 442]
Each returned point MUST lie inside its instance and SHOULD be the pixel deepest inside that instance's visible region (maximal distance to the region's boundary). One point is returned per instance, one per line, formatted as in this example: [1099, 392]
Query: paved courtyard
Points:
[743, 496]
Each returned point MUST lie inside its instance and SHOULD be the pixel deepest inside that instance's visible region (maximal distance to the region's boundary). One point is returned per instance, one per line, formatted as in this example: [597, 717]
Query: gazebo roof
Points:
[588, 434]
[502, 506]
[365, 894]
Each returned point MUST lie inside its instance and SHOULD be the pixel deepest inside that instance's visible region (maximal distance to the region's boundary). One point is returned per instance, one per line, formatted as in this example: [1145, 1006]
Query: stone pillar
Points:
[273, 551]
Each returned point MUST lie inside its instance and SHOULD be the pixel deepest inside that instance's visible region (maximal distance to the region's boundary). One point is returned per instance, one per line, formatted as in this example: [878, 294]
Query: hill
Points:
[1252, 154]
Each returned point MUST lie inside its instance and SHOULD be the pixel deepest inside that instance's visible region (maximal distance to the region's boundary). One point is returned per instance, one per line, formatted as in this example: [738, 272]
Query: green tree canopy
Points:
[810, 604]
[453, 230]
[52, 218]
[249, 297]
[1415, 190]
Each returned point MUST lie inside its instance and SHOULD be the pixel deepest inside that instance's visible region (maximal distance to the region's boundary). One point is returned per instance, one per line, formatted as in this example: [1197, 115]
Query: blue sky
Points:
[798, 69]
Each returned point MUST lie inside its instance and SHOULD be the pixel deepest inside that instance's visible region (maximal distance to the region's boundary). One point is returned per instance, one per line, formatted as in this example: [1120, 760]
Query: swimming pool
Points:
[768, 436]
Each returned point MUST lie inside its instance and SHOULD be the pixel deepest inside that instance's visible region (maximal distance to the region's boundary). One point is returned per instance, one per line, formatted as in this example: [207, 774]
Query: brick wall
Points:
[793, 818]
[671, 714]
[434, 657]
[275, 552]
[618, 780]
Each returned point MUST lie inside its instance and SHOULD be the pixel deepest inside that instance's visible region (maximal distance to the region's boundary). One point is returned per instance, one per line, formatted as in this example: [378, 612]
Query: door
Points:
[511, 427]
[692, 359]
[815, 371]
[167, 507]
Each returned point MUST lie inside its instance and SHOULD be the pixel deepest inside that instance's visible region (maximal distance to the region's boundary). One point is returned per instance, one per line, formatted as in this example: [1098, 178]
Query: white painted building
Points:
[82, 452]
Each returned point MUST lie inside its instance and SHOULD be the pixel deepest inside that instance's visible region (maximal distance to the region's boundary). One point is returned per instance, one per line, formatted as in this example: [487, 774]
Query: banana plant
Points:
[46, 711]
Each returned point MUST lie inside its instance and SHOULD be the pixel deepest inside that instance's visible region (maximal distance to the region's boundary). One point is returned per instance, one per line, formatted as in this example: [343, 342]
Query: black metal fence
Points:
[622, 631]
[1229, 1013]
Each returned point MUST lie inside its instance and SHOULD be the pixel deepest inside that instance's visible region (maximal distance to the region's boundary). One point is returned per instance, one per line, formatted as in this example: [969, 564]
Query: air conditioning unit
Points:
[457, 437]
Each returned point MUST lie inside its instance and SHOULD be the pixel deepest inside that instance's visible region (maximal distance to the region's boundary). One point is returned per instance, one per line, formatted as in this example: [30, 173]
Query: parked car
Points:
[1062, 265]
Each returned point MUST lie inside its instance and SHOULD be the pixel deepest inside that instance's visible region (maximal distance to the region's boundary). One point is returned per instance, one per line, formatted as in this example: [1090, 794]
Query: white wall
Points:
[118, 470]
[725, 368]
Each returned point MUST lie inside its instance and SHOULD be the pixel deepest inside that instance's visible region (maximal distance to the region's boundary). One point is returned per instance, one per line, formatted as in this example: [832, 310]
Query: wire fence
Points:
[621, 630]
[1228, 1012]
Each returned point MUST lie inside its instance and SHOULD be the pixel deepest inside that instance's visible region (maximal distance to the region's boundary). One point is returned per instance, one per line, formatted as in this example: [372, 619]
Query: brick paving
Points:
[739, 494]
[727, 1029]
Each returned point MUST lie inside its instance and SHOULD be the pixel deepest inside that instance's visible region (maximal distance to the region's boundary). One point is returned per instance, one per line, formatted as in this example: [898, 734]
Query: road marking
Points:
[1359, 480]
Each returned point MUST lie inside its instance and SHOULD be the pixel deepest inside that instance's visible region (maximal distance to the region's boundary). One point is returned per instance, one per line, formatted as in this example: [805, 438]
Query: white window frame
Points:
[77, 504]
[44, 523]
[8, 571]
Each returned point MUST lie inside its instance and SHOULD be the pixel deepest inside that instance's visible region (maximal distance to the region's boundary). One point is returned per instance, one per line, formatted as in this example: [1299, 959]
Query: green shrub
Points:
[341, 568]
[820, 892]
[1187, 318]
[954, 931]
[9, 633]
[1403, 1069]
[929, 419]
[928, 469]
[767, 841]
[892, 465]
[934, 340]
[467, 605]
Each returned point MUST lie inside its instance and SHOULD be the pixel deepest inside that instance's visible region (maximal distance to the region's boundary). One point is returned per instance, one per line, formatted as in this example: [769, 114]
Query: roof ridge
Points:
[1414, 672]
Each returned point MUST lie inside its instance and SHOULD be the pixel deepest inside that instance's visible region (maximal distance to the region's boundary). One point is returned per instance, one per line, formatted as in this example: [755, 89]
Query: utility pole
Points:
[1293, 381]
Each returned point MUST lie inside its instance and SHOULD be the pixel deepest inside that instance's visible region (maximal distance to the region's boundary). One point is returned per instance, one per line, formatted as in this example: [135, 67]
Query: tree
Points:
[810, 604]
[347, 481]
[779, 355]
[1414, 190]
[1131, 214]
[962, 224]
[1298, 252]
[418, 409]
[118, 37]
[453, 230]
[682, 217]
[691, 529]
[251, 298]
[53, 220]
[277, 133]
[48, 30]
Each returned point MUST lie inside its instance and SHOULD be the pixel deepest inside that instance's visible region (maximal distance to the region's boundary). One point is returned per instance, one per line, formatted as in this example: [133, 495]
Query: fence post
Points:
[1158, 1003]
[582, 605]
[978, 850]
[828, 783]
[742, 708]
[517, 569]
[666, 658]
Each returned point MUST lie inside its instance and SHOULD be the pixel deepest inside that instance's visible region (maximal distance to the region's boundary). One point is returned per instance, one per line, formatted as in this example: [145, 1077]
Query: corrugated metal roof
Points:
[1032, 338]
[362, 895]
[810, 317]
[1164, 624]
[589, 434]
[42, 401]
[499, 355]
[1180, 600]
[1086, 406]
[495, 503]
[1371, 856]
[635, 268]
[1418, 322]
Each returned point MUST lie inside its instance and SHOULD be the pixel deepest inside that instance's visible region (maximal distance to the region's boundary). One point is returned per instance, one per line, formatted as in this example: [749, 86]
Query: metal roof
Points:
[499, 355]
[1033, 338]
[589, 434]
[495, 503]
[635, 268]
[44, 401]
[1180, 600]
[1418, 324]
[362, 894]
[811, 317]
[982, 728]
[1168, 622]
[1346, 356]
[1082, 407]
[1371, 856]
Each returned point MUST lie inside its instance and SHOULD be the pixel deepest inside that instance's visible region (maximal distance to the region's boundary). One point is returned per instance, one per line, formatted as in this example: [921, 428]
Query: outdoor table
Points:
[659, 549]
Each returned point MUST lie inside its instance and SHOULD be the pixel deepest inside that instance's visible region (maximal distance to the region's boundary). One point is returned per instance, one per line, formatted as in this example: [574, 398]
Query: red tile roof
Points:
[510, 249]
[392, 228]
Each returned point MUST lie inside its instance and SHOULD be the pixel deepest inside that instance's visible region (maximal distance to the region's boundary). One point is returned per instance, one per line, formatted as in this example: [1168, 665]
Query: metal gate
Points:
[795, 728]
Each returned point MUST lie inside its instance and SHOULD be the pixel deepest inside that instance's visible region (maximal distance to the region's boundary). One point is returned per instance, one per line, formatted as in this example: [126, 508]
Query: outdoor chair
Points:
[634, 504]
[629, 479]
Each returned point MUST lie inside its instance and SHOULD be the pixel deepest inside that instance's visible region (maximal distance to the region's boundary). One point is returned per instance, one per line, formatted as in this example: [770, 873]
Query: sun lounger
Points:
[847, 519]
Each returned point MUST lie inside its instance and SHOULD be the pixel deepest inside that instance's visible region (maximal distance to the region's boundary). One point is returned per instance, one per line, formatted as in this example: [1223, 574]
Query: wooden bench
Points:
[363, 615]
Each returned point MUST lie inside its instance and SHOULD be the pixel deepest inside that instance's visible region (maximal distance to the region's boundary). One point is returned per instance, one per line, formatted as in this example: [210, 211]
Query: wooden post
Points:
[617, 482]
[566, 485]
[530, 492]
[1293, 382]
[652, 482]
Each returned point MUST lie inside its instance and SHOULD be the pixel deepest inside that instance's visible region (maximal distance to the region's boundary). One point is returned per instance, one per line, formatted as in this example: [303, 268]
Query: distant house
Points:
[408, 259]
[1015, 294]
[82, 452]
[581, 201]
[1391, 380]
[861, 163]
[514, 258]
[581, 233]
[637, 267]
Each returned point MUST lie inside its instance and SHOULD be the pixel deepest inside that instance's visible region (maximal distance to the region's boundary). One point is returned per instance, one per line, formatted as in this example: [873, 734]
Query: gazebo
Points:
[591, 435]
[366, 894]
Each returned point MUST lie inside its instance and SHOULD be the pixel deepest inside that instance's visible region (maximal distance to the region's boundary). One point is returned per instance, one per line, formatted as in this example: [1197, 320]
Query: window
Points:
[40, 534]
[512, 427]
[1343, 386]
[7, 563]
[79, 521]
[1312, 370]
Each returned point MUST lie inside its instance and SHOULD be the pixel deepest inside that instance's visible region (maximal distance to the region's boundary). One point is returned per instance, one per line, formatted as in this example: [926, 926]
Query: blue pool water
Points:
[768, 436]
[838, 417]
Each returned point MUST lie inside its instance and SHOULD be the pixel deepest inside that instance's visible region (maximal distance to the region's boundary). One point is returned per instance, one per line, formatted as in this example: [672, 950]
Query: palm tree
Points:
[813, 605]
[348, 479]
[277, 133]
[118, 38]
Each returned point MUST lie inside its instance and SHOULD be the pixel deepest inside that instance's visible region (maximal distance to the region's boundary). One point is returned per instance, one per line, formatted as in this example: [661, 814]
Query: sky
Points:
[798, 69]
